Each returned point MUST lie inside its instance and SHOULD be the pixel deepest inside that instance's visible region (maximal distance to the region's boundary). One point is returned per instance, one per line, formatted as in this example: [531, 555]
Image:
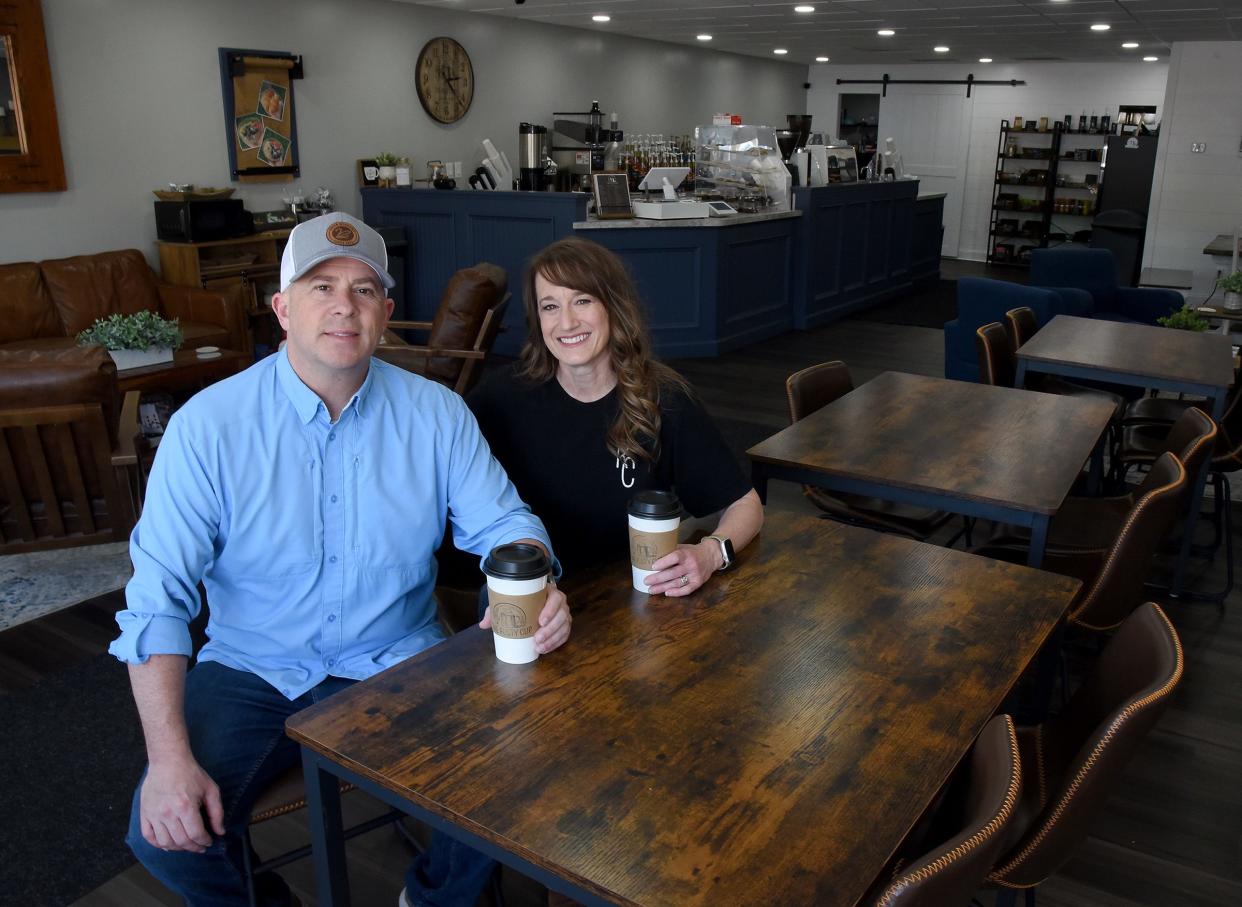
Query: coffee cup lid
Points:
[517, 561]
[655, 505]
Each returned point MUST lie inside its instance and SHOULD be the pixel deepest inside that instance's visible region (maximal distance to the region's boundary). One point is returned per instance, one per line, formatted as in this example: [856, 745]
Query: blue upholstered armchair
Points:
[1088, 277]
[981, 301]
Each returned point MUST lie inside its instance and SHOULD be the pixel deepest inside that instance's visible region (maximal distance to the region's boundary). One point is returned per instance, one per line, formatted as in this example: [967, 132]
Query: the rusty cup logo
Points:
[342, 234]
[510, 620]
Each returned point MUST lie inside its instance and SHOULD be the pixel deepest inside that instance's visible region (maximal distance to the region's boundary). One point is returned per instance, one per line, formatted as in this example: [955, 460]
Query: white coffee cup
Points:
[654, 518]
[517, 581]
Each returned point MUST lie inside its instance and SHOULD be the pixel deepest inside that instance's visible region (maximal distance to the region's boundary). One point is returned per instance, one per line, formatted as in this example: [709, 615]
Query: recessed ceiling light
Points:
[886, 33]
[601, 18]
[1150, 59]
[779, 50]
[940, 49]
[1130, 45]
[704, 37]
[1100, 26]
[985, 59]
[804, 9]
[821, 59]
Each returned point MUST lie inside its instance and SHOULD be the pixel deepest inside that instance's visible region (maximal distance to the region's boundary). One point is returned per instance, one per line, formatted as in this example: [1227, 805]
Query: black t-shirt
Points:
[555, 450]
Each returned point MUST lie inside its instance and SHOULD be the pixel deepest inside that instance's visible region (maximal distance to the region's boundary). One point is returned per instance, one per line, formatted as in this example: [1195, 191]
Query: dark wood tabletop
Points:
[769, 739]
[1140, 350]
[1223, 244]
[187, 371]
[991, 445]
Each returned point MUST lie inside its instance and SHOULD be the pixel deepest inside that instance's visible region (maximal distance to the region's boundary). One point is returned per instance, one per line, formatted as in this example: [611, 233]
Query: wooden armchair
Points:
[467, 322]
[69, 471]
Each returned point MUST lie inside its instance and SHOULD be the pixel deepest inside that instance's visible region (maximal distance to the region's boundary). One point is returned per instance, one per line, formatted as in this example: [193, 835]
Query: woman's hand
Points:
[683, 571]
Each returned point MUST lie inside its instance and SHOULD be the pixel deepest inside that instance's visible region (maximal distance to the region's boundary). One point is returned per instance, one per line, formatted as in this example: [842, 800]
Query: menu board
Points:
[612, 195]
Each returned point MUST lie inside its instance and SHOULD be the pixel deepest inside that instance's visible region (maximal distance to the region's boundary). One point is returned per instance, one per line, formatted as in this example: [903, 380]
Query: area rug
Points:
[43, 582]
[929, 308]
[72, 752]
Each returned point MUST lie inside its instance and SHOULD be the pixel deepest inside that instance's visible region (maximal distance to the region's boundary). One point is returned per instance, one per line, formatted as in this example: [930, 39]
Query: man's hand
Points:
[174, 795]
[554, 621]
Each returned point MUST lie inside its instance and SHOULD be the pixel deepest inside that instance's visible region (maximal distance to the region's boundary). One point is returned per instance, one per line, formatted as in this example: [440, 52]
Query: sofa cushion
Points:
[466, 299]
[199, 333]
[26, 308]
[86, 288]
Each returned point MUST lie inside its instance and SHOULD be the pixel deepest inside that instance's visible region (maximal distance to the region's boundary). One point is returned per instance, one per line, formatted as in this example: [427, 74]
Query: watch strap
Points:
[726, 551]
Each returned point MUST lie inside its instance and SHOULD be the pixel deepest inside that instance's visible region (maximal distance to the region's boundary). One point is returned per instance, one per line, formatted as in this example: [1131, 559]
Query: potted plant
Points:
[1184, 319]
[134, 341]
[1232, 285]
[387, 164]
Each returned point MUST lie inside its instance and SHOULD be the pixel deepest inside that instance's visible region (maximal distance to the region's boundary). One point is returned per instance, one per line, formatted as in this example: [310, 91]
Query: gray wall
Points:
[138, 95]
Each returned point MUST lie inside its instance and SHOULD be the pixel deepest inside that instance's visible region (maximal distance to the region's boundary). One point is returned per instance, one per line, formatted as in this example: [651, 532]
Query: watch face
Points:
[445, 80]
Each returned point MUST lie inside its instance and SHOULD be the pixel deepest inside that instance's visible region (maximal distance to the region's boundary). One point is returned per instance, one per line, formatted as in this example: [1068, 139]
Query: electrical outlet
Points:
[1198, 147]
[457, 169]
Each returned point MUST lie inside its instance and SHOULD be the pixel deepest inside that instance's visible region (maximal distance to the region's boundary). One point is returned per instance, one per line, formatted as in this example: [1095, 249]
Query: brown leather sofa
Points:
[43, 305]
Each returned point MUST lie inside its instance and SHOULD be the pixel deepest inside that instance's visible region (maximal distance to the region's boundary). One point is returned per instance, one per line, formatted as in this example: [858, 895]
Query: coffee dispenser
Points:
[532, 153]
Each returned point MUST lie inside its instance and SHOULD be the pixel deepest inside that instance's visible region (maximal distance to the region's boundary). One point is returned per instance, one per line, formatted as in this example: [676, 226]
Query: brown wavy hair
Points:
[589, 268]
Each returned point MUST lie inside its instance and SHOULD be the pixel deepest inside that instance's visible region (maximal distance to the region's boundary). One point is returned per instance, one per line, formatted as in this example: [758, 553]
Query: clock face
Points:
[445, 80]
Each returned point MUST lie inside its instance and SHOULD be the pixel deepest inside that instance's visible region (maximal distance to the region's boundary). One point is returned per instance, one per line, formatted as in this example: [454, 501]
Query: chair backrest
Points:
[467, 298]
[1073, 761]
[815, 387]
[1118, 587]
[1192, 439]
[997, 364]
[1093, 270]
[971, 824]
[1020, 325]
[87, 287]
[472, 369]
[58, 487]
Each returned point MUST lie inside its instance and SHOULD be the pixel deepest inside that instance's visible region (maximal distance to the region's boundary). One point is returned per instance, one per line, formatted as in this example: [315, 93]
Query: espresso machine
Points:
[532, 157]
[787, 141]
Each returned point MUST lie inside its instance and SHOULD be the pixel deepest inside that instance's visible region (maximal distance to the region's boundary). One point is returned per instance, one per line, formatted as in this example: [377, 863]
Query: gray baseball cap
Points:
[334, 235]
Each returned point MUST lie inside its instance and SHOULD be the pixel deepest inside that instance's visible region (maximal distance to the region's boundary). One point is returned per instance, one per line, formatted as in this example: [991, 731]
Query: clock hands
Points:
[449, 80]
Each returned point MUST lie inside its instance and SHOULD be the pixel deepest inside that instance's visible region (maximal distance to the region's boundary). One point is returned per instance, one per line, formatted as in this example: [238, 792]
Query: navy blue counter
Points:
[709, 287]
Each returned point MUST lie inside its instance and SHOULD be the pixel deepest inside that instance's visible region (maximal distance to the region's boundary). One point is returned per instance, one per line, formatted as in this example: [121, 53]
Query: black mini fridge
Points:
[1125, 196]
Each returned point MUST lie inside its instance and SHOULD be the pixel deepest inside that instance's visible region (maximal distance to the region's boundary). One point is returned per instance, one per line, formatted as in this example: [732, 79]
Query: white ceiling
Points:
[845, 30]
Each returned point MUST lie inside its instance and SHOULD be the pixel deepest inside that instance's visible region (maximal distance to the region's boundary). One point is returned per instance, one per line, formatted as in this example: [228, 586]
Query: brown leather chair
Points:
[1072, 762]
[997, 364]
[1113, 577]
[1144, 442]
[67, 466]
[971, 826]
[468, 320]
[815, 387]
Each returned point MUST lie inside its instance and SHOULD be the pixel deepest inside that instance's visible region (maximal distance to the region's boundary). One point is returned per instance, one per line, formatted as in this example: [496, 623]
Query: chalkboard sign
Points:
[612, 195]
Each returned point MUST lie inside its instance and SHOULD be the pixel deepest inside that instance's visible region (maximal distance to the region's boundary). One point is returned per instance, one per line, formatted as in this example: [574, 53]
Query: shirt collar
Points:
[306, 402]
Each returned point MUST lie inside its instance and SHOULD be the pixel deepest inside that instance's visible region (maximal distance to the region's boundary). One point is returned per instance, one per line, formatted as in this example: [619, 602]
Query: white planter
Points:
[388, 176]
[1233, 302]
[131, 359]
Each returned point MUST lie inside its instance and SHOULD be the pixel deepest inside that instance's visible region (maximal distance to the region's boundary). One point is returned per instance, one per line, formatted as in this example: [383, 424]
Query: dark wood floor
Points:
[1172, 835]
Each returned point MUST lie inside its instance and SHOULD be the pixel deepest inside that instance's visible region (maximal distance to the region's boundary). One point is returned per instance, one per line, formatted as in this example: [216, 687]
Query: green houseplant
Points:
[1184, 319]
[1232, 285]
[135, 340]
[387, 163]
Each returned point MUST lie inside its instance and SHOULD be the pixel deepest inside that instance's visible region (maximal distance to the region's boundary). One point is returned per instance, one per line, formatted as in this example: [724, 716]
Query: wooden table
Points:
[991, 452]
[1223, 244]
[1168, 278]
[186, 372]
[1139, 355]
[768, 740]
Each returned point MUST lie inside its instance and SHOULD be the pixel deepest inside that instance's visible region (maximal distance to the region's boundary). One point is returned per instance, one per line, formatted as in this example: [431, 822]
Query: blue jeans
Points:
[236, 723]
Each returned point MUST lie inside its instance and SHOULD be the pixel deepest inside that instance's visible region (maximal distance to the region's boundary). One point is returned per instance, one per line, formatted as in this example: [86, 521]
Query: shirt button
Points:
[333, 499]
[331, 436]
[331, 662]
[331, 617]
[332, 559]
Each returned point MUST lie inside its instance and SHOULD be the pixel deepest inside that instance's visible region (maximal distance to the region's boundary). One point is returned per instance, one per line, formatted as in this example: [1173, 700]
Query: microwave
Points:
[202, 220]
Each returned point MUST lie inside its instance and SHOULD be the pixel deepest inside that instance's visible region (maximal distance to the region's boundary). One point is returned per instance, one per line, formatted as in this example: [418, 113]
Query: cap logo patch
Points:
[342, 234]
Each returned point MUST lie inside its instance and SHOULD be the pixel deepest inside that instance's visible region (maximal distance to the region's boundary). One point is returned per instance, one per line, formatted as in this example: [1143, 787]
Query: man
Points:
[308, 495]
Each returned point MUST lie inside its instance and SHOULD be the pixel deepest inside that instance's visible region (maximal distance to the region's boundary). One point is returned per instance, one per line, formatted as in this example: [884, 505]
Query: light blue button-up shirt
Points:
[314, 540]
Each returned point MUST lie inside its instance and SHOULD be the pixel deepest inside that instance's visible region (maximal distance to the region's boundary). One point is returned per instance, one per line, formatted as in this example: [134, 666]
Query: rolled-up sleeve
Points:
[484, 507]
[170, 548]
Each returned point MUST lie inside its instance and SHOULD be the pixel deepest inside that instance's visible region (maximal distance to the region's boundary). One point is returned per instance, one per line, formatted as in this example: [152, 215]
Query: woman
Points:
[587, 418]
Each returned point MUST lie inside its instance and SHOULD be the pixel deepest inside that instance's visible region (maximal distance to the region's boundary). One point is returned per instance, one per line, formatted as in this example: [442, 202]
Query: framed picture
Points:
[368, 172]
[612, 195]
[260, 112]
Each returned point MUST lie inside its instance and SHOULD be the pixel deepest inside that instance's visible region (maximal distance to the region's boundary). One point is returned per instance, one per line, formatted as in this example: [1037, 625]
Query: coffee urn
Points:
[531, 140]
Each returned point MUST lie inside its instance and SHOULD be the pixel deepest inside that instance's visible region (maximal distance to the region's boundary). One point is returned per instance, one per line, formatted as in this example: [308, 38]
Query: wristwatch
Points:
[726, 551]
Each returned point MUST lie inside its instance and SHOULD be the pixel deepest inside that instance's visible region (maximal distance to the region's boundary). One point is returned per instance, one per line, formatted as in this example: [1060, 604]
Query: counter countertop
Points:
[928, 196]
[592, 223]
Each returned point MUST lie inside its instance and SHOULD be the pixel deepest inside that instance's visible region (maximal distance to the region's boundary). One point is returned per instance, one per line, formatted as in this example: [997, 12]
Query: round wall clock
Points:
[445, 80]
